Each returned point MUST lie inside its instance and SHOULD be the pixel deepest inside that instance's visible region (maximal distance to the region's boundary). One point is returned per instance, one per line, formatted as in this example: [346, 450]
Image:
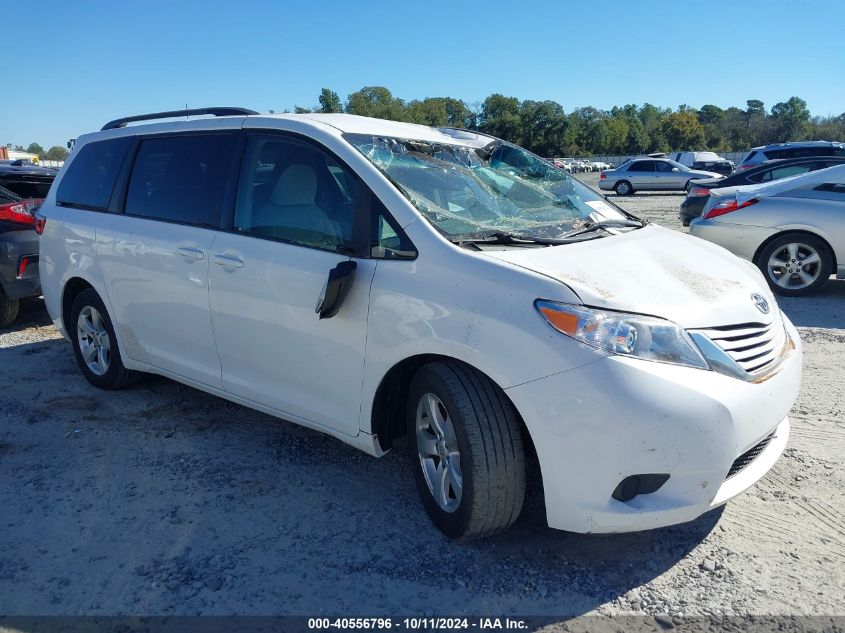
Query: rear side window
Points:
[642, 165]
[180, 178]
[90, 177]
[784, 172]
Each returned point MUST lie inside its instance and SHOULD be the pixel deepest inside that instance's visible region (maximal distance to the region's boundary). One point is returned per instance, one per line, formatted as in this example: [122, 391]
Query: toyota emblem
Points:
[761, 303]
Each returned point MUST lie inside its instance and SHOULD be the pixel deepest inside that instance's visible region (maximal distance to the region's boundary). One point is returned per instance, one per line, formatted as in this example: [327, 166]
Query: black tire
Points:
[780, 244]
[489, 438]
[116, 376]
[623, 188]
[8, 309]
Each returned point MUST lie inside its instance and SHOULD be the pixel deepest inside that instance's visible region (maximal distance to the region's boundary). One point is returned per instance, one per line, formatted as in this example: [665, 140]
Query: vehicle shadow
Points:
[189, 504]
[823, 309]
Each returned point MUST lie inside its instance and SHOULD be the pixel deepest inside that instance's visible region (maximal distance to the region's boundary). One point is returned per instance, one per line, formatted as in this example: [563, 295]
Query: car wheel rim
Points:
[622, 189]
[93, 338]
[794, 266]
[437, 448]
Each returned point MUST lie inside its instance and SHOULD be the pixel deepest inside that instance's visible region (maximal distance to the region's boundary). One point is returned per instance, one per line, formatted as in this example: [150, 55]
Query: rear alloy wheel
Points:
[466, 450]
[623, 188]
[95, 345]
[796, 264]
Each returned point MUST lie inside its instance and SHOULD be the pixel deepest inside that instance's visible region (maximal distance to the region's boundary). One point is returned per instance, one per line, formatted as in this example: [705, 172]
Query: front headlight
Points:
[648, 338]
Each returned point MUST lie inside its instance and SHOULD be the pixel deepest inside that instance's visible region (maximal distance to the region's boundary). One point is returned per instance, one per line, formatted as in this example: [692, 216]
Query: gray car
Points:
[793, 229]
[777, 151]
[650, 174]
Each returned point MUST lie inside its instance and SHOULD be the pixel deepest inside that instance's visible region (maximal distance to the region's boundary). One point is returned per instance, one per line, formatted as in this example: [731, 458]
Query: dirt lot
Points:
[163, 500]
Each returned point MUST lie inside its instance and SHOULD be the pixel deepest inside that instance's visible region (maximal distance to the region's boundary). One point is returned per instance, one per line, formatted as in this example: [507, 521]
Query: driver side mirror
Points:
[675, 169]
[335, 290]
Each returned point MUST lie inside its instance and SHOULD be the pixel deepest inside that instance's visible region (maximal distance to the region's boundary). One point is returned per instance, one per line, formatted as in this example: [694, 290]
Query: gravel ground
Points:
[161, 499]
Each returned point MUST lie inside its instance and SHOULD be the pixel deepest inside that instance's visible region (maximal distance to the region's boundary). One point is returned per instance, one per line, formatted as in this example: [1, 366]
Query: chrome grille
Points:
[754, 346]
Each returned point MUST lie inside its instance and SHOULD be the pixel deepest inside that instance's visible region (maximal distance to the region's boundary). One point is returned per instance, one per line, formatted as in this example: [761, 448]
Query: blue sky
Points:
[79, 64]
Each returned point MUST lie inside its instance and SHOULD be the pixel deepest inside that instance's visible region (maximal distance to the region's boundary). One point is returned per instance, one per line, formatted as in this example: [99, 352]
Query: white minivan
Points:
[374, 280]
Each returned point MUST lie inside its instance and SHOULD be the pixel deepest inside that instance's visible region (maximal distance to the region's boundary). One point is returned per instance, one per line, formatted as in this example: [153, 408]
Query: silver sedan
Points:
[792, 229]
[650, 174]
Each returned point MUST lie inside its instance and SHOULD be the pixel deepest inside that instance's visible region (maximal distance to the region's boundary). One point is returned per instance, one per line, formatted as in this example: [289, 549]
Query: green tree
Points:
[616, 131]
[329, 101]
[378, 102]
[543, 126]
[429, 111]
[35, 148]
[56, 153]
[682, 130]
[791, 119]
[499, 116]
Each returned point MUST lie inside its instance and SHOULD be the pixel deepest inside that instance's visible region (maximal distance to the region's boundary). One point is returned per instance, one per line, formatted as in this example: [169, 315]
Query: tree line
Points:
[54, 153]
[545, 128]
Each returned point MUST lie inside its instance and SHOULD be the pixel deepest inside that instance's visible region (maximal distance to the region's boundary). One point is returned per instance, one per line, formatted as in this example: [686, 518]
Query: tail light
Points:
[728, 206]
[602, 176]
[19, 212]
[40, 223]
[696, 192]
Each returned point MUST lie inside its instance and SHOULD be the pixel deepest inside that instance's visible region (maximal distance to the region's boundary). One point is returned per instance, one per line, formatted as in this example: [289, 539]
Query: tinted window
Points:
[784, 172]
[293, 191]
[661, 166]
[801, 152]
[180, 178]
[642, 165]
[91, 175]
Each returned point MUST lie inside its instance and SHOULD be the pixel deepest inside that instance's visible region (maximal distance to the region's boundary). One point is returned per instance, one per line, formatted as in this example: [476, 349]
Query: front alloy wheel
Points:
[437, 449]
[467, 455]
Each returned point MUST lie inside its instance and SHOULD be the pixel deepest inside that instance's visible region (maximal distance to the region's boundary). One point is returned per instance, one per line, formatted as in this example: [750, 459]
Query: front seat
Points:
[292, 213]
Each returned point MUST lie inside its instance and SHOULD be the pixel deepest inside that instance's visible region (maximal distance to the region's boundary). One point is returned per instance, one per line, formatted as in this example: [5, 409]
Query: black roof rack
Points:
[111, 125]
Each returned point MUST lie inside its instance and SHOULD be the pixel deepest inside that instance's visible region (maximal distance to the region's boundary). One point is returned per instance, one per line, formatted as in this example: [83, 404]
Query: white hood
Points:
[809, 179]
[654, 271]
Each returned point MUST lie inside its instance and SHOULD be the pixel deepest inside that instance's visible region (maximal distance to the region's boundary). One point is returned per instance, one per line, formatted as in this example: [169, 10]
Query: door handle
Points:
[191, 254]
[228, 261]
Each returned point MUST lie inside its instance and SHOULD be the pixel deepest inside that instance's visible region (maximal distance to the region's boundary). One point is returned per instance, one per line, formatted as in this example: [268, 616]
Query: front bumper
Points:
[597, 424]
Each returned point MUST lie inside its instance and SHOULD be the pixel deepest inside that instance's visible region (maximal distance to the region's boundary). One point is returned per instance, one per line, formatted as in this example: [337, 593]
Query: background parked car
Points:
[562, 164]
[18, 253]
[760, 155]
[26, 180]
[708, 161]
[697, 196]
[650, 174]
[793, 229]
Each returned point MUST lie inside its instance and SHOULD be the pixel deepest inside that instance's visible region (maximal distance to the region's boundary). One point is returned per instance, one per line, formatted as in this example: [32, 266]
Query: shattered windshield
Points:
[468, 192]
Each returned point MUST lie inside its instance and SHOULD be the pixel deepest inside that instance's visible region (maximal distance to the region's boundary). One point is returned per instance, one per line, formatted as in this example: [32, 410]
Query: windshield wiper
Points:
[589, 227]
[501, 237]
